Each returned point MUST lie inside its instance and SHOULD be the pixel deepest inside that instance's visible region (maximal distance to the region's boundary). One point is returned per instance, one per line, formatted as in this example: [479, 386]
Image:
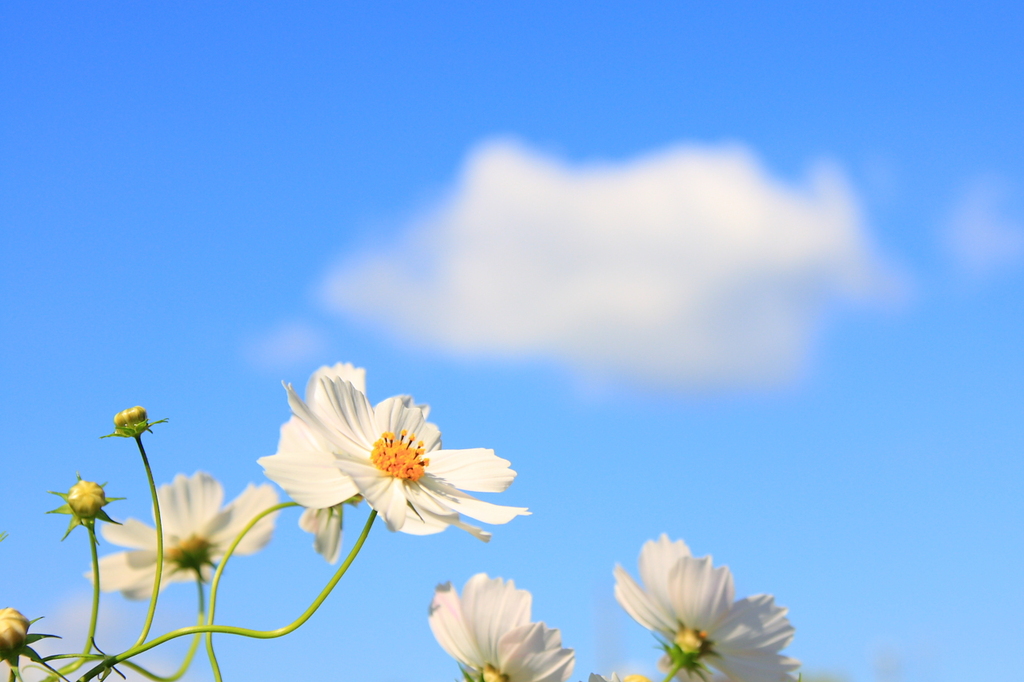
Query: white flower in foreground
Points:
[339, 445]
[488, 631]
[197, 532]
[690, 603]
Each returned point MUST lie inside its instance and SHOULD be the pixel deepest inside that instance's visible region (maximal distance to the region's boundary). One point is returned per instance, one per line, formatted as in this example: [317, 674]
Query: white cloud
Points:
[686, 268]
[979, 236]
[288, 344]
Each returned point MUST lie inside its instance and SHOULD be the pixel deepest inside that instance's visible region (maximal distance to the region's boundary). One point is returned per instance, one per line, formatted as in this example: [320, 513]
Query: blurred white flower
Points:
[197, 532]
[690, 603]
[488, 631]
[594, 677]
[337, 445]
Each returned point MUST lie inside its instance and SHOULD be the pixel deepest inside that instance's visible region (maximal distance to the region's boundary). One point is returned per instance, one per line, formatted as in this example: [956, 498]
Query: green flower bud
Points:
[13, 630]
[130, 417]
[86, 499]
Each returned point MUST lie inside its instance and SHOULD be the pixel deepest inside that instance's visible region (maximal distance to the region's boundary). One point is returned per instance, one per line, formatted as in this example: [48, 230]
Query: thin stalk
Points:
[87, 649]
[244, 632]
[676, 668]
[215, 584]
[183, 668]
[159, 546]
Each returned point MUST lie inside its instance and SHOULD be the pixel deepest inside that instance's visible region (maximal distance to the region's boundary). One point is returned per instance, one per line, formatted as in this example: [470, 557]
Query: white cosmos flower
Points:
[488, 631]
[338, 445]
[301, 451]
[197, 532]
[690, 603]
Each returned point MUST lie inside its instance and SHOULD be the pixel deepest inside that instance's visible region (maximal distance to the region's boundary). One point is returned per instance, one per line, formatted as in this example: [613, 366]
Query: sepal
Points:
[133, 430]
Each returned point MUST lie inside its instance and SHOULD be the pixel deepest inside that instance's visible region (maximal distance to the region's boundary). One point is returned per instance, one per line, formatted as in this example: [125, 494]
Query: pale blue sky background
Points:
[178, 181]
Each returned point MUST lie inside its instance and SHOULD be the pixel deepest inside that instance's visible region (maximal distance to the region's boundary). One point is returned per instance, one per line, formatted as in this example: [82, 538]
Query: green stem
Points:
[183, 668]
[91, 527]
[87, 649]
[215, 585]
[244, 632]
[675, 669]
[159, 546]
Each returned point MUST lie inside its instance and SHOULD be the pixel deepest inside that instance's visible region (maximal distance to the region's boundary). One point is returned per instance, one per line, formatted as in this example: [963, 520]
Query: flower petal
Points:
[534, 652]
[753, 623]
[644, 609]
[343, 370]
[450, 630]
[491, 608]
[188, 504]
[394, 415]
[474, 469]
[700, 593]
[469, 505]
[325, 525]
[657, 557]
[132, 533]
[384, 493]
[253, 500]
[346, 422]
[756, 666]
[304, 467]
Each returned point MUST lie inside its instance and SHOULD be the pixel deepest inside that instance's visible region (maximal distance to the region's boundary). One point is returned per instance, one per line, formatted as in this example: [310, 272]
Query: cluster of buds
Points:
[132, 423]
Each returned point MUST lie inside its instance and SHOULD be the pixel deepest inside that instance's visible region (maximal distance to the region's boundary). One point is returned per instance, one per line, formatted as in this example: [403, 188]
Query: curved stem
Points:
[183, 668]
[244, 632]
[159, 545]
[215, 584]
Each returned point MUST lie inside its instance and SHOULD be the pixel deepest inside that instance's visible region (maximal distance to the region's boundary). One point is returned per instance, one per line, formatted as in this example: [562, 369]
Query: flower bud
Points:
[635, 678]
[130, 417]
[86, 499]
[13, 628]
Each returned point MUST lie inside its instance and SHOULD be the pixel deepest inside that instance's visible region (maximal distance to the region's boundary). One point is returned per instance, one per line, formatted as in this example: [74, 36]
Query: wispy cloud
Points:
[686, 268]
[979, 235]
[286, 345]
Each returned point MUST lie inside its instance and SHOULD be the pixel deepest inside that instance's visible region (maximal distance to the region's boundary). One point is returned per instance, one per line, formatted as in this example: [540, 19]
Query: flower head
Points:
[84, 503]
[488, 631]
[690, 603]
[197, 532]
[86, 498]
[338, 445]
[13, 630]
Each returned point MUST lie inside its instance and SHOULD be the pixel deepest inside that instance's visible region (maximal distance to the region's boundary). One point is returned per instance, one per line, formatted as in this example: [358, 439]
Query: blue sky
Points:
[196, 200]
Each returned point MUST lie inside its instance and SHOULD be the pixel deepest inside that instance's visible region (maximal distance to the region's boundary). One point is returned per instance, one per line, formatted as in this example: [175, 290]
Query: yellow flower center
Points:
[693, 641]
[400, 457]
[491, 674]
[191, 553]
